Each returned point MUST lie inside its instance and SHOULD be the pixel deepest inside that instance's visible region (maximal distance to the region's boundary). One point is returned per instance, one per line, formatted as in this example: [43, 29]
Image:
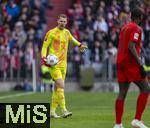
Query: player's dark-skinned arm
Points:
[133, 51]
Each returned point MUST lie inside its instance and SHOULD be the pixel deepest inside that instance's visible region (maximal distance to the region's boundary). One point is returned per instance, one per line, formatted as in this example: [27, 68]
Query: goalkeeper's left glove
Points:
[83, 47]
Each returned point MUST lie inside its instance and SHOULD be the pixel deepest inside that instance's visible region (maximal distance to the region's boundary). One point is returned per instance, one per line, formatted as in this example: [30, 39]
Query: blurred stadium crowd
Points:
[94, 22]
[22, 27]
[98, 23]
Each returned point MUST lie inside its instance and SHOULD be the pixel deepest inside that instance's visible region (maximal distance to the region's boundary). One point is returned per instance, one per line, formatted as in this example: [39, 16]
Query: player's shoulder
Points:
[66, 30]
[133, 25]
[50, 32]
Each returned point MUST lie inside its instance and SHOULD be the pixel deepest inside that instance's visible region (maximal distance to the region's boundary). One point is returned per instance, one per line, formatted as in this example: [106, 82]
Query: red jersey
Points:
[130, 32]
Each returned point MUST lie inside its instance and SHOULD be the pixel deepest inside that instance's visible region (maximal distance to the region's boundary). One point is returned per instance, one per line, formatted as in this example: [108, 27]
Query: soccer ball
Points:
[52, 59]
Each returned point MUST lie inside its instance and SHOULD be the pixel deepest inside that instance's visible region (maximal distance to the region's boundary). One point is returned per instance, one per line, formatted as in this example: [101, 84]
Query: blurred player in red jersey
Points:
[130, 69]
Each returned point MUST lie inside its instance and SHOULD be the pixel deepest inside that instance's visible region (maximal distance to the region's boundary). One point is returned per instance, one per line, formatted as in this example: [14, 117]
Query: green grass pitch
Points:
[90, 110]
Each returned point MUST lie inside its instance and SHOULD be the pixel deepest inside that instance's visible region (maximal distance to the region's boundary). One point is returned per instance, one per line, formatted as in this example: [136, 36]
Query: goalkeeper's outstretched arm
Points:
[77, 43]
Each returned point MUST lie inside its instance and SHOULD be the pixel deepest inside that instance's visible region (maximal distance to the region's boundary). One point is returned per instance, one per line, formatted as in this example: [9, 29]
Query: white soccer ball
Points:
[52, 59]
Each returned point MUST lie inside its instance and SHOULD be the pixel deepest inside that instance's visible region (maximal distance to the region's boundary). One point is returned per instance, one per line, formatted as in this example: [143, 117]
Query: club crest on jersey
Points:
[136, 36]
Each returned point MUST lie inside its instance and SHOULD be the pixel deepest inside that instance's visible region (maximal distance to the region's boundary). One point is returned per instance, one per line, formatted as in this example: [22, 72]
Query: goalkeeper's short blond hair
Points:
[62, 15]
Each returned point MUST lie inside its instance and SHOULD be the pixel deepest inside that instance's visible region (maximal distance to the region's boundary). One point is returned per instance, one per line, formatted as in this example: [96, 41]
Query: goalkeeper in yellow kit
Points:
[56, 42]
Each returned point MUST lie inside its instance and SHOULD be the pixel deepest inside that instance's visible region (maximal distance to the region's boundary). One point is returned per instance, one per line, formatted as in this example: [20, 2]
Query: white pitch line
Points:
[16, 95]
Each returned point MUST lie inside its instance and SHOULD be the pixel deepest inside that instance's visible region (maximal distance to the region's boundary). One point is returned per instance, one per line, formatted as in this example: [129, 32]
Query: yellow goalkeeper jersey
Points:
[56, 42]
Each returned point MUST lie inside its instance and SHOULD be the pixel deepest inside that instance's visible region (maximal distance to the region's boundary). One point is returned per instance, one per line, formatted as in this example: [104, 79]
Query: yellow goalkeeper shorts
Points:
[58, 73]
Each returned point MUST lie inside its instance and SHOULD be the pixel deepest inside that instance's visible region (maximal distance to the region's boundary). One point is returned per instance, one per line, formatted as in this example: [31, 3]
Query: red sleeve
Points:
[135, 35]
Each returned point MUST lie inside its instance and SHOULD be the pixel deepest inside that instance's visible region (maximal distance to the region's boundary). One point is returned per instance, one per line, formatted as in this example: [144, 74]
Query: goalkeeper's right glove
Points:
[44, 62]
[142, 71]
[83, 47]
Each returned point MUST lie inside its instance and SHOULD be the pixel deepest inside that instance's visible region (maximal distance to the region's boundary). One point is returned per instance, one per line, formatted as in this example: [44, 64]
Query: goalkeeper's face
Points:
[62, 22]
